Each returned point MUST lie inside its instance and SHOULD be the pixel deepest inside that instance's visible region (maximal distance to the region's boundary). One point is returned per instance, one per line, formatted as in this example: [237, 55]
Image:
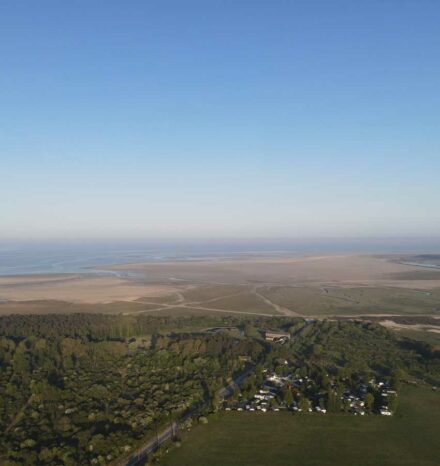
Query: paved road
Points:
[167, 433]
[152, 445]
[229, 389]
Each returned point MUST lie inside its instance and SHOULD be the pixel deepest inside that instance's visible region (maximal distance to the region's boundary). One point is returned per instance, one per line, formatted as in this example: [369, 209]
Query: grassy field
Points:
[410, 438]
[194, 311]
[48, 306]
[421, 335]
[203, 293]
[185, 311]
[246, 302]
[354, 300]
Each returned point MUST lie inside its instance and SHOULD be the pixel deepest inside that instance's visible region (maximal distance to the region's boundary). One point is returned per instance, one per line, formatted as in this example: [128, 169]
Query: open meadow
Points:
[408, 438]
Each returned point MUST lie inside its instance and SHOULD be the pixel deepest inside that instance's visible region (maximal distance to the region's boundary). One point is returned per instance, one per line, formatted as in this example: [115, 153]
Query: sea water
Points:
[31, 257]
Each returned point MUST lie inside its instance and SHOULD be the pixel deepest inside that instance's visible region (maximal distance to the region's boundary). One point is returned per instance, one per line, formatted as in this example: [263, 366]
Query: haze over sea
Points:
[22, 258]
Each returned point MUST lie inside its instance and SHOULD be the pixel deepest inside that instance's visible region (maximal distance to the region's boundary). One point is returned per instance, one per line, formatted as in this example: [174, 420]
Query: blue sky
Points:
[149, 119]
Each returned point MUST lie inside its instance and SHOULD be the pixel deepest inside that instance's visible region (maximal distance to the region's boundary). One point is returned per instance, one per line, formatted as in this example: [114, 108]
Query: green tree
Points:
[259, 374]
[333, 401]
[288, 397]
[396, 377]
[249, 330]
[304, 404]
[369, 401]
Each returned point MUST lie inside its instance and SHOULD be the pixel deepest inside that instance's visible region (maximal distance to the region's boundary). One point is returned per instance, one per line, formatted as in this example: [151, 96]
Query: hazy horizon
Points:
[231, 244]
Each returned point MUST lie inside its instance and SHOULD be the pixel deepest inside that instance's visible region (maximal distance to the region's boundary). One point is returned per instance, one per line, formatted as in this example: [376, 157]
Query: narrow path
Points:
[229, 311]
[277, 307]
[19, 415]
[201, 308]
[180, 298]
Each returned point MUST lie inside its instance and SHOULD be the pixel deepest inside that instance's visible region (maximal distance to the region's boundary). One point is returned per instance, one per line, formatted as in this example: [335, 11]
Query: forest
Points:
[88, 389]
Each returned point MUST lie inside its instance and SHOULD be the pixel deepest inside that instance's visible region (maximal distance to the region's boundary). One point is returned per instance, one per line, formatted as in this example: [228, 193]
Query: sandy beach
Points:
[153, 279]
